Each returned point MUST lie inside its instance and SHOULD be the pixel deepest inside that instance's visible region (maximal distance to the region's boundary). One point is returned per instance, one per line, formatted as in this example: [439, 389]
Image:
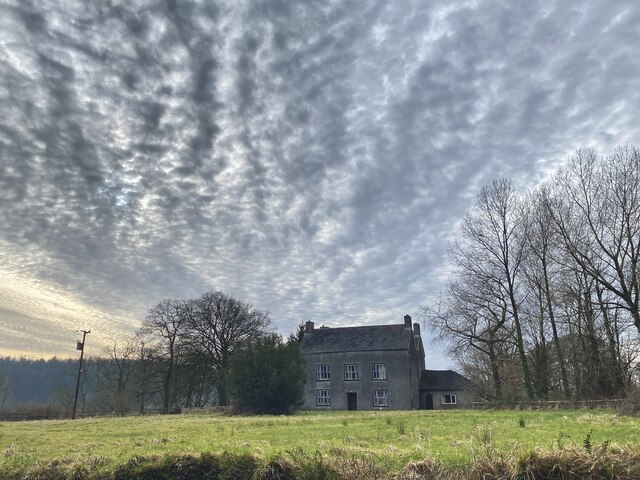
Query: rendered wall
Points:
[464, 399]
[403, 373]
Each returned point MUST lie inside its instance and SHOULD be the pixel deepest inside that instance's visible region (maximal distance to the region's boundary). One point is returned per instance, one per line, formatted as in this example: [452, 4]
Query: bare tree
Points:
[143, 375]
[564, 267]
[167, 321]
[492, 248]
[596, 210]
[541, 268]
[472, 318]
[115, 371]
[218, 323]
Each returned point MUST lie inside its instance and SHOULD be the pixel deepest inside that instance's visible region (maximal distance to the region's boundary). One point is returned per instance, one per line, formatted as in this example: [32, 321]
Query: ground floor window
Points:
[449, 399]
[323, 398]
[380, 398]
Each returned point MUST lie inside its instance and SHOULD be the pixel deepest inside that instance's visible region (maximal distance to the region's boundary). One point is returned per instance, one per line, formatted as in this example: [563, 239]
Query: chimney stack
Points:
[407, 321]
[308, 327]
[416, 329]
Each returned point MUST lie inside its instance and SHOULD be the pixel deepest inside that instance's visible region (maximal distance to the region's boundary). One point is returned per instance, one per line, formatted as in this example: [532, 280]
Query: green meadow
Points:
[96, 447]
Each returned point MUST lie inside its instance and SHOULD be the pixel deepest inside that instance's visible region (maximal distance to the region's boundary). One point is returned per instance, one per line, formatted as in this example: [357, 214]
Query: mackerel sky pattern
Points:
[314, 158]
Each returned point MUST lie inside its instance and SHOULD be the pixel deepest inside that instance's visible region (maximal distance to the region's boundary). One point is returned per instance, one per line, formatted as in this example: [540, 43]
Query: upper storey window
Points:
[379, 371]
[351, 372]
[323, 372]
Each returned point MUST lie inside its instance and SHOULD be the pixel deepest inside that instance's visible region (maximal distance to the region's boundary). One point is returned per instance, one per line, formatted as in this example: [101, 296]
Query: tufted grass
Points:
[380, 441]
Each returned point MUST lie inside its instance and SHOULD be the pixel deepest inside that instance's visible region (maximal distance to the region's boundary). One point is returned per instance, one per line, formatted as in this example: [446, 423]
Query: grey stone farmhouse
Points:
[373, 368]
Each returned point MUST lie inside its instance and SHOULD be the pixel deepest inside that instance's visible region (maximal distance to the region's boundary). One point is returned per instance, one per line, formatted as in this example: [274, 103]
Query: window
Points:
[351, 372]
[449, 399]
[323, 371]
[380, 398]
[323, 398]
[379, 371]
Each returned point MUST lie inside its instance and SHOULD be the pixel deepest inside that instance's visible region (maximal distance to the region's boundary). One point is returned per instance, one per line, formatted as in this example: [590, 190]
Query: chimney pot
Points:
[308, 328]
[407, 321]
[416, 329]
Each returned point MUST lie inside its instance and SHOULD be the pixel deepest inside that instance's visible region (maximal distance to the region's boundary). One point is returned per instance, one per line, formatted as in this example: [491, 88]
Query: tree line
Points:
[192, 353]
[212, 350]
[38, 381]
[543, 299]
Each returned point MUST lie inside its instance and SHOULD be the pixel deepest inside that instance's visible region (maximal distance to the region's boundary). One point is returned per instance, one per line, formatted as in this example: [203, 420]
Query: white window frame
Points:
[351, 372]
[323, 397]
[452, 400]
[381, 398]
[379, 371]
[323, 372]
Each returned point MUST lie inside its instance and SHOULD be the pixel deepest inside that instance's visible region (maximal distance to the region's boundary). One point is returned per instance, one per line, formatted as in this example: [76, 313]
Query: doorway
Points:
[428, 402]
[352, 401]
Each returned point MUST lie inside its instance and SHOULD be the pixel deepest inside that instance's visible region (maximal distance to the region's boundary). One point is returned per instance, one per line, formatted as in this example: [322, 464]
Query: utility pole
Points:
[79, 346]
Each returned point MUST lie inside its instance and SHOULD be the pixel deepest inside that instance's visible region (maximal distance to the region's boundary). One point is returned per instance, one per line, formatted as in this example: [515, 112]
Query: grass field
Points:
[388, 439]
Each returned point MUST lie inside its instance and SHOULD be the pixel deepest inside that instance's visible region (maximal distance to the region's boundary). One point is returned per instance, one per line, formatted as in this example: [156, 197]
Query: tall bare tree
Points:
[596, 210]
[492, 248]
[541, 269]
[218, 323]
[167, 322]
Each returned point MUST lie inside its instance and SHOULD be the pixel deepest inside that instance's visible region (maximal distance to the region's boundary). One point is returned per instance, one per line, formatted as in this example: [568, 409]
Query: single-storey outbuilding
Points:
[445, 389]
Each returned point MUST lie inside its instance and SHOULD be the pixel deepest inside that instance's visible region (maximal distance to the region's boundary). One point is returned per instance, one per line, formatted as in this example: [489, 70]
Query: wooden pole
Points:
[81, 347]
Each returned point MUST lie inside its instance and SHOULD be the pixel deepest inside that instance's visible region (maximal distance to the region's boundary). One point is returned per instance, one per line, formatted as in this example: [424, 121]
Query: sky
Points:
[313, 158]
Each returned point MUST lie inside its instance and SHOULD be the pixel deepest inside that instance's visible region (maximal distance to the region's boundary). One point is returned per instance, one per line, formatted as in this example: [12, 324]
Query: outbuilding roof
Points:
[356, 339]
[443, 380]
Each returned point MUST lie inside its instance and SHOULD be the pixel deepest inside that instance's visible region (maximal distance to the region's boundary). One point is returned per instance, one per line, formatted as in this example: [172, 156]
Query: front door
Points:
[352, 401]
[429, 402]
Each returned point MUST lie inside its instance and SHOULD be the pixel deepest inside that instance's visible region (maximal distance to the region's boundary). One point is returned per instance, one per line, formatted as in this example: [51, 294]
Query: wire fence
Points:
[47, 412]
[54, 414]
[551, 405]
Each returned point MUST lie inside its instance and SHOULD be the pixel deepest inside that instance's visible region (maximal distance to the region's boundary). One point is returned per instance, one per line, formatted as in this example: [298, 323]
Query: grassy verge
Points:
[353, 445]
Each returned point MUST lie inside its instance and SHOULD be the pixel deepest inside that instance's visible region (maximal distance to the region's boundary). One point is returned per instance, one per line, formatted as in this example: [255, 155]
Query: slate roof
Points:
[356, 339]
[443, 380]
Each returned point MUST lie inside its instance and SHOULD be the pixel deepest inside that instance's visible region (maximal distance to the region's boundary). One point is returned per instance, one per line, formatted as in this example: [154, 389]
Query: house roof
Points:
[443, 380]
[356, 339]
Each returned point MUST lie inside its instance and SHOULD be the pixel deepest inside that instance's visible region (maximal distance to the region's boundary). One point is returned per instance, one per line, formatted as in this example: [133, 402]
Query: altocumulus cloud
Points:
[311, 157]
